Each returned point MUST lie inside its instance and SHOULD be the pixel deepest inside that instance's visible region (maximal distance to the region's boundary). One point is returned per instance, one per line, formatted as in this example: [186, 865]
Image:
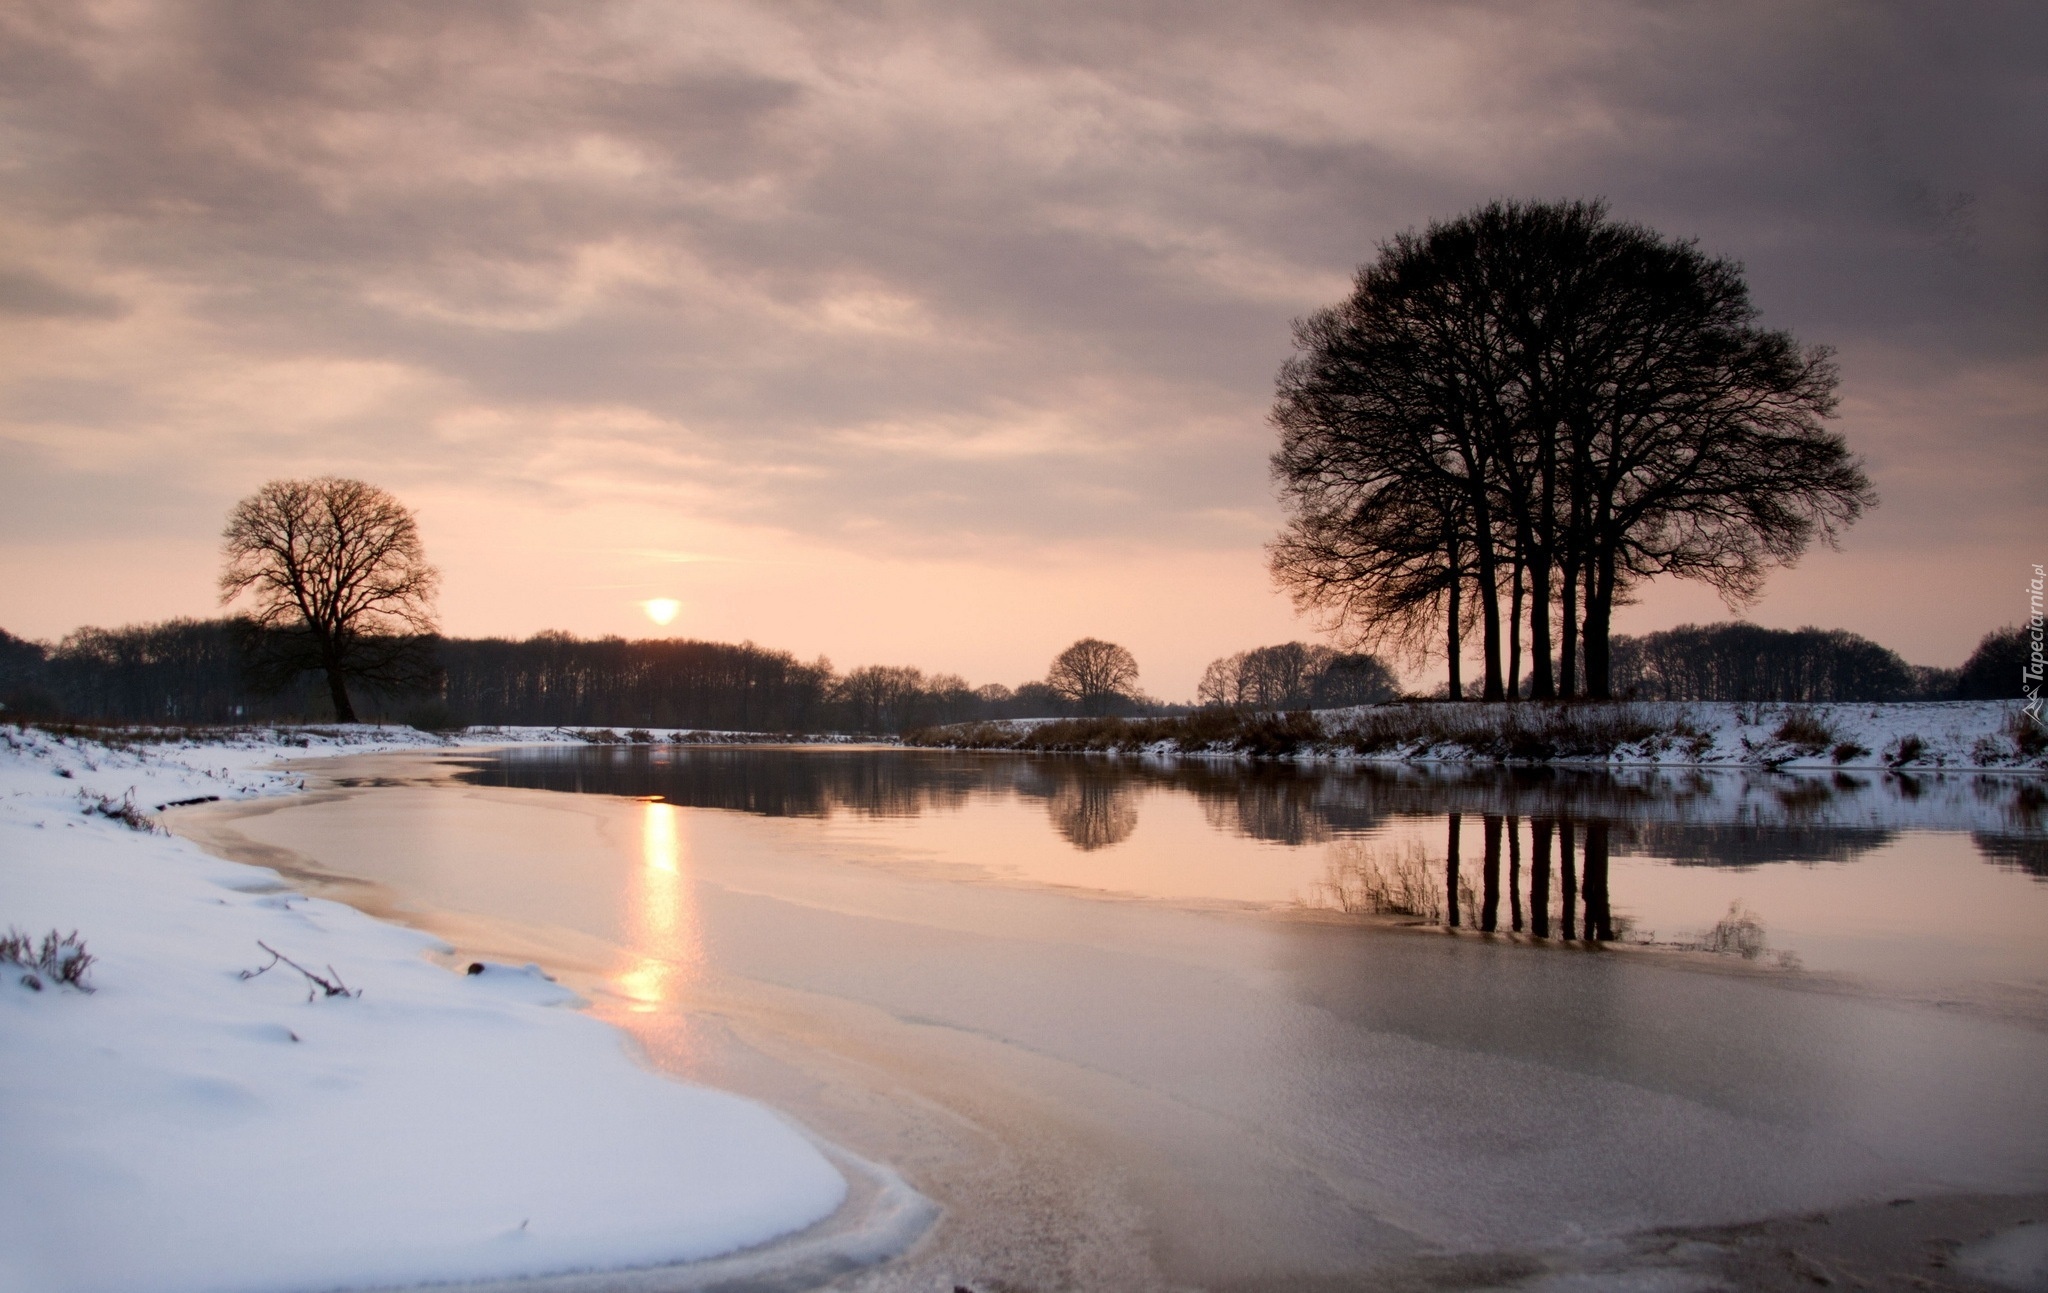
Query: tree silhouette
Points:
[339, 581]
[1535, 395]
[1093, 674]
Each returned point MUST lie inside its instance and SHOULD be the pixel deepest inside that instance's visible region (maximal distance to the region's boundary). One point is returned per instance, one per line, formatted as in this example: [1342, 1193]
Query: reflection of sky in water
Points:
[1010, 934]
[662, 918]
[1858, 876]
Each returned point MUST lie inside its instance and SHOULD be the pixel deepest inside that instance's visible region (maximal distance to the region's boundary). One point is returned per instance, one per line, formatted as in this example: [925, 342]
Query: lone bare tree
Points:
[1092, 674]
[339, 581]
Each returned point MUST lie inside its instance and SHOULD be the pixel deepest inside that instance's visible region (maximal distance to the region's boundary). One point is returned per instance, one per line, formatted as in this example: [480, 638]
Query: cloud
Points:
[913, 278]
[28, 294]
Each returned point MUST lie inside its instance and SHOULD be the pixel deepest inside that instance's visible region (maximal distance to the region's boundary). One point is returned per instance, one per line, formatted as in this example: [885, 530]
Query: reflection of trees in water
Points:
[1094, 812]
[1284, 810]
[1743, 844]
[1689, 816]
[2024, 806]
[1404, 880]
[1092, 804]
[770, 783]
[1366, 879]
[2020, 852]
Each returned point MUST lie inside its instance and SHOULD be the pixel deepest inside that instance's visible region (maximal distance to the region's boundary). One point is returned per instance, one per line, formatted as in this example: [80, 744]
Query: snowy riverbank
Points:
[1901, 737]
[211, 1118]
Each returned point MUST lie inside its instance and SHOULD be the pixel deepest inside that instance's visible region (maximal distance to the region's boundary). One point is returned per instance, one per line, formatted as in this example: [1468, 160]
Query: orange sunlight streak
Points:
[666, 951]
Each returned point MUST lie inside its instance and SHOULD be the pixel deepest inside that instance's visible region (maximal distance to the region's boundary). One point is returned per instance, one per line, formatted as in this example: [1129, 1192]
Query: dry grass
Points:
[63, 960]
[122, 810]
[1739, 933]
[1204, 731]
[1528, 732]
[1806, 732]
[1908, 748]
[1535, 733]
[124, 736]
[1364, 881]
[2029, 737]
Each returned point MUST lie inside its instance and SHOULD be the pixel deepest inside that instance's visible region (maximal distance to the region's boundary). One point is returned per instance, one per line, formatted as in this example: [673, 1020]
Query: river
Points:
[1152, 1025]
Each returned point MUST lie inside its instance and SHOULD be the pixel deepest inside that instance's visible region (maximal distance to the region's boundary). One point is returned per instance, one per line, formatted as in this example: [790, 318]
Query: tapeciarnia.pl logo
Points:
[2030, 677]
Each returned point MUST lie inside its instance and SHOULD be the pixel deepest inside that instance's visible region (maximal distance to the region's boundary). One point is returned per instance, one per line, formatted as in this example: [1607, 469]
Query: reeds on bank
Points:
[1527, 731]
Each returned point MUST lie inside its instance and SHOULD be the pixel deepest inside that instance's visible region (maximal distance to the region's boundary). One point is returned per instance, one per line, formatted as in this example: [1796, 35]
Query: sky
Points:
[942, 334]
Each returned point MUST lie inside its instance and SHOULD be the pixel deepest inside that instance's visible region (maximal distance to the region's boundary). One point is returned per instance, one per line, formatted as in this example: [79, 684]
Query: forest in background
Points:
[191, 671]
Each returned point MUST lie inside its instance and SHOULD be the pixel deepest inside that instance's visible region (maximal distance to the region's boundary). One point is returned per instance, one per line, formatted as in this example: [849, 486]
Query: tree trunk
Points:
[1599, 925]
[1543, 678]
[1567, 900]
[1539, 877]
[1489, 604]
[1568, 630]
[1489, 878]
[1454, 645]
[1515, 633]
[1451, 876]
[1599, 611]
[1515, 874]
[337, 691]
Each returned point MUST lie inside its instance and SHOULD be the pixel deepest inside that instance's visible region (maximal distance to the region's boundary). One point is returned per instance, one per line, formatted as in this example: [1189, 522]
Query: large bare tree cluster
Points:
[1522, 413]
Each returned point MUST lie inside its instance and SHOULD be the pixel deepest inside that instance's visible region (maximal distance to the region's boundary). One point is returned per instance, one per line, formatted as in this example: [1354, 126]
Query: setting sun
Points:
[661, 609]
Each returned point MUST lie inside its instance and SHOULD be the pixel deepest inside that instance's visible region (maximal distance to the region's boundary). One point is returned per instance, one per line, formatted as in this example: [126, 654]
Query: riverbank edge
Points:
[1903, 737]
[113, 788]
[1774, 1252]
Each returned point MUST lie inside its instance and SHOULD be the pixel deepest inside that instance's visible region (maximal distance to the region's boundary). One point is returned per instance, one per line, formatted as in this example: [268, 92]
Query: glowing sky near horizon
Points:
[940, 334]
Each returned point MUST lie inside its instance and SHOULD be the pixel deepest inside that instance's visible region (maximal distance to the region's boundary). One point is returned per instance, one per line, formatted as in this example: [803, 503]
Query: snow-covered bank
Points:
[1915, 736]
[209, 1118]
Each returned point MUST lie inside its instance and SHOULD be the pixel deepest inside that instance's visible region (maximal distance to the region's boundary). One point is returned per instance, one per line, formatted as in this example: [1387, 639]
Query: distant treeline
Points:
[196, 672]
[1747, 662]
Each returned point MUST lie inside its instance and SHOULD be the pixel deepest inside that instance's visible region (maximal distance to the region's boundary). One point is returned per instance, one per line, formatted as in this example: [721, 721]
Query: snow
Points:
[189, 1124]
[2014, 1259]
[1912, 736]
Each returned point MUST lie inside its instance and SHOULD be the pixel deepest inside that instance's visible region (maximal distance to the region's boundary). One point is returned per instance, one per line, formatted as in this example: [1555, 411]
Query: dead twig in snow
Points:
[332, 986]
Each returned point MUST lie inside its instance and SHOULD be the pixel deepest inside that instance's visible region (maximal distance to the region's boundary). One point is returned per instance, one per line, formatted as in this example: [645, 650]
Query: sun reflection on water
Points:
[666, 951]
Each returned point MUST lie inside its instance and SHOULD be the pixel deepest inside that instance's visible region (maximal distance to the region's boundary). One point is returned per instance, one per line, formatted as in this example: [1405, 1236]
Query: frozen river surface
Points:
[1135, 1028]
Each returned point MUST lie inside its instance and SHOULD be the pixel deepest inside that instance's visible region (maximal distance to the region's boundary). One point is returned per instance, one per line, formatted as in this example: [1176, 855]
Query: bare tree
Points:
[1538, 395]
[339, 582]
[1093, 674]
[1389, 417]
[1222, 683]
[1295, 675]
[880, 697]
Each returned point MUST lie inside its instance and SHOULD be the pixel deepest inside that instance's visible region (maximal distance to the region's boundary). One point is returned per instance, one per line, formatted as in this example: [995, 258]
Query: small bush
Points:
[1847, 750]
[122, 810]
[1909, 748]
[1739, 933]
[1806, 732]
[63, 961]
[640, 736]
[2027, 733]
[1363, 881]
